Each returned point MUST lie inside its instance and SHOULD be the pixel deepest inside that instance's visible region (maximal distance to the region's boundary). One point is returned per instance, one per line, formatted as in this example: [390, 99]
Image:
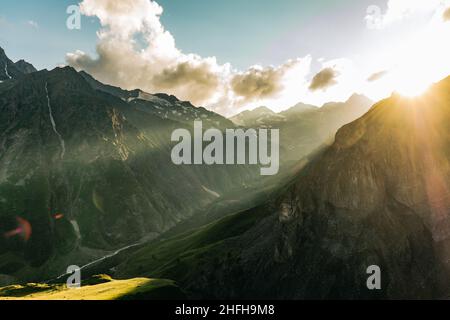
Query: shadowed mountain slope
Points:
[379, 195]
[92, 173]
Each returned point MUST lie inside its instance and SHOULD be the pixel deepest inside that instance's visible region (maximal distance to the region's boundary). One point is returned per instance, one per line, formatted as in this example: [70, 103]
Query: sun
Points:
[412, 87]
[415, 73]
[420, 60]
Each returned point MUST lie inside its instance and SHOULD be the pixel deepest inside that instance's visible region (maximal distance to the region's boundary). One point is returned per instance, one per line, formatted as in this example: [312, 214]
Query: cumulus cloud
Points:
[324, 79]
[377, 76]
[446, 14]
[398, 10]
[195, 79]
[260, 83]
[158, 66]
[135, 51]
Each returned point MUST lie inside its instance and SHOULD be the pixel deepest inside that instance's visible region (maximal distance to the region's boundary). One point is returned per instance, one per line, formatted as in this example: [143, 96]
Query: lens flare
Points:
[58, 216]
[23, 230]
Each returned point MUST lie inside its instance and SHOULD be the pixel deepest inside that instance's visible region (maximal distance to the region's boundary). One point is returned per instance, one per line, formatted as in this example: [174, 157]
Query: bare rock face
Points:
[380, 195]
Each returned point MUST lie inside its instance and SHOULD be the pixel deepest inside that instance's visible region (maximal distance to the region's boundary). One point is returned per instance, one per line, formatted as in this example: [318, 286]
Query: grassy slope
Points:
[131, 289]
[175, 258]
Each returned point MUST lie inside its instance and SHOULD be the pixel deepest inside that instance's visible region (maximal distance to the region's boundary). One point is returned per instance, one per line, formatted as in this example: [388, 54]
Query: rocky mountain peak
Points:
[25, 67]
[10, 70]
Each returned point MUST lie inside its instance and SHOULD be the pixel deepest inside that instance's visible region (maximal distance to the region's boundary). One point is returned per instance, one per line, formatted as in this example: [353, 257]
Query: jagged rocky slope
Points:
[91, 171]
[10, 70]
[380, 195]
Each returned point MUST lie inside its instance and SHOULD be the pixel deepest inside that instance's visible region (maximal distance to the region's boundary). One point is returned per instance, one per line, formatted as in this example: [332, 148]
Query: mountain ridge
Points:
[305, 129]
[10, 70]
[81, 166]
[377, 196]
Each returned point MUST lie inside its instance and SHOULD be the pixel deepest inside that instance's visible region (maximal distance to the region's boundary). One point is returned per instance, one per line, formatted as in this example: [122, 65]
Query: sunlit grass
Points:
[138, 288]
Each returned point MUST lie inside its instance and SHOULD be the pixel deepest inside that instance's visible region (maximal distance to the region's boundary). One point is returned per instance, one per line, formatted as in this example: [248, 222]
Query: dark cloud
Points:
[324, 79]
[377, 76]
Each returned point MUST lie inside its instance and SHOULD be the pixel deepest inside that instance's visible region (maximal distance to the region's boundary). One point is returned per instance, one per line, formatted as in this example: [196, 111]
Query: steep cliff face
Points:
[378, 196]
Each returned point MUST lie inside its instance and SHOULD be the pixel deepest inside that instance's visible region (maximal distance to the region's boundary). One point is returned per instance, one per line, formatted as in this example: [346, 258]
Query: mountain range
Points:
[305, 128]
[13, 70]
[86, 165]
[379, 195]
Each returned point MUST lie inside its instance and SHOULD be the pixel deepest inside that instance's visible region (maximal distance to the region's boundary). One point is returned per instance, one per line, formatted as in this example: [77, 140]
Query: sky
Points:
[240, 54]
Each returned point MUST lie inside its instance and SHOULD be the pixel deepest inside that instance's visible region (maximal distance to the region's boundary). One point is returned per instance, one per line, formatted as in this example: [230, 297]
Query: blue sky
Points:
[45, 45]
[243, 32]
[240, 54]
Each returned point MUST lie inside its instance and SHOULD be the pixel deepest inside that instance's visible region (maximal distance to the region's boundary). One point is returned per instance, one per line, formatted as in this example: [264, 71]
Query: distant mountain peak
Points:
[10, 70]
[261, 116]
[354, 101]
[66, 69]
[25, 67]
[263, 109]
[356, 97]
[300, 108]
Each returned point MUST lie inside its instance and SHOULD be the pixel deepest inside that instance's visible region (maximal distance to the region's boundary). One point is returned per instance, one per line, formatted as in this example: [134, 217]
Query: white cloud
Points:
[154, 63]
[135, 51]
[33, 24]
[398, 10]
[324, 79]
[446, 14]
[258, 83]
[417, 60]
